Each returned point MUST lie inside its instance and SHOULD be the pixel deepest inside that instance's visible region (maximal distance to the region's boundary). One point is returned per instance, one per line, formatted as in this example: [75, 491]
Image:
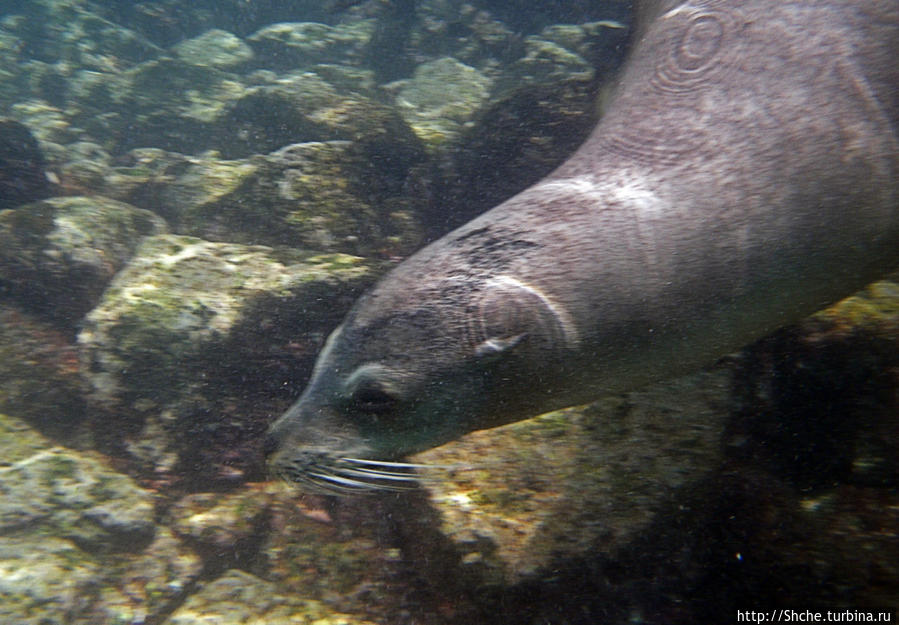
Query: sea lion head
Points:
[418, 362]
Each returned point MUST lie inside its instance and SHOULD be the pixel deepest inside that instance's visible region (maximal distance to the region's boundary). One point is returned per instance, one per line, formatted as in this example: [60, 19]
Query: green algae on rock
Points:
[176, 185]
[337, 553]
[74, 496]
[222, 521]
[327, 196]
[67, 31]
[78, 541]
[237, 598]
[214, 48]
[301, 106]
[322, 196]
[188, 326]
[440, 98]
[874, 311]
[180, 295]
[292, 45]
[528, 497]
[42, 579]
[57, 255]
[49, 124]
[170, 104]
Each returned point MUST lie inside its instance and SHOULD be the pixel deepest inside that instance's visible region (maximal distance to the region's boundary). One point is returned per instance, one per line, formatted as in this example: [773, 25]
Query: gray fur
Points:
[743, 176]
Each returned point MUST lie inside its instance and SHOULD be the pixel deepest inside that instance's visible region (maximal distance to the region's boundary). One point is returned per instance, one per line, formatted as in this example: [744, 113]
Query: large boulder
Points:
[57, 255]
[78, 541]
[195, 343]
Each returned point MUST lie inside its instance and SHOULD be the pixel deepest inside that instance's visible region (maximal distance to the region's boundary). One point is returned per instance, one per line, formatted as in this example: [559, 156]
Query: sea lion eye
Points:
[371, 397]
[369, 390]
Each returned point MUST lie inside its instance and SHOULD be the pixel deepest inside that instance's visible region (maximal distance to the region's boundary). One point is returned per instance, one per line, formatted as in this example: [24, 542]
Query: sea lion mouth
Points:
[326, 474]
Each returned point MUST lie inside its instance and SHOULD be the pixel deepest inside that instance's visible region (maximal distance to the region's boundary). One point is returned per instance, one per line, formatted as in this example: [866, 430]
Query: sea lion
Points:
[742, 177]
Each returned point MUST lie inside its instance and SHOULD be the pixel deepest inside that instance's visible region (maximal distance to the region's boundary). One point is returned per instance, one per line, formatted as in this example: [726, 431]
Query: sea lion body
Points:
[743, 176]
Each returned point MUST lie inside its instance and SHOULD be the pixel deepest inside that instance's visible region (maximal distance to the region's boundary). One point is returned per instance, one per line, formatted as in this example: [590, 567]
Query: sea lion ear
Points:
[512, 314]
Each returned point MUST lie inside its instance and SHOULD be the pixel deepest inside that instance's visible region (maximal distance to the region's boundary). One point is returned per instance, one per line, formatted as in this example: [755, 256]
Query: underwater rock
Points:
[52, 48]
[440, 97]
[40, 81]
[78, 542]
[11, 52]
[174, 184]
[223, 526]
[301, 107]
[43, 579]
[345, 552]
[22, 176]
[817, 402]
[546, 62]
[68, 32]
[237, 598]
[164, 103]
[144, 587]
[528, 498]
[349, 79]
[302, 196]
[600, 43]
[341, 553]
[462, 31]
[19, 441]
[542, 106]
[297, 45]
[84, 168]
[515, 140]
[167, 22]
[538, 16]
[847, 521]
[326, 196]
[47, 579]
[189, 338]
[72, 495]
[214, 48]
[57, 255]
[49, 124]
[39, 378]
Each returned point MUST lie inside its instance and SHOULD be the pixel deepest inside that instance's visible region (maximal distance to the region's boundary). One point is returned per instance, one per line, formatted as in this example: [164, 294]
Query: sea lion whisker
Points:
[315, 486]
[320, 476]
[359, 486]
[348, 485]
[373, 464]
[343, 481]
[385, 463]
[298, 472]
[327, 488]
[380, 475]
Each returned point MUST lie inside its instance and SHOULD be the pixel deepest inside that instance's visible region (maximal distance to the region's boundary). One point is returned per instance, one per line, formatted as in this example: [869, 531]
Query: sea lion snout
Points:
[330, 458]
[310, 428]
